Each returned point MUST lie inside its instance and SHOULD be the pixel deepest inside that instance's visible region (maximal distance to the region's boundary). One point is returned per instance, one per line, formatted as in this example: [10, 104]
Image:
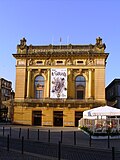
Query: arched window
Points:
[39, 87]
[80, 84]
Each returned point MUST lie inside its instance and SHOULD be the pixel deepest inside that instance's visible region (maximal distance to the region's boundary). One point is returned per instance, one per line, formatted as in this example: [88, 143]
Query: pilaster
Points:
[28, 82]
[90, 83]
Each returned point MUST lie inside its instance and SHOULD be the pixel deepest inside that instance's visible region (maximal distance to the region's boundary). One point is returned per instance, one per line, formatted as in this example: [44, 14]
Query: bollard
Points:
[113, 153]
[10, 131]
[38, 134]
[59, 150]
[74, 138]
[19, 132]
[8, 142]
[48, 135]
[28, 133]
[108, 140]
[3, 130]
[22, 145]
[90, 140]
[61, 136]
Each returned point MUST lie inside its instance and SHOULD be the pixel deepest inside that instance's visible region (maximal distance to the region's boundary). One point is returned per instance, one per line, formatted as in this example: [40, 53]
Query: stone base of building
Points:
[67, 117]
[48, 113]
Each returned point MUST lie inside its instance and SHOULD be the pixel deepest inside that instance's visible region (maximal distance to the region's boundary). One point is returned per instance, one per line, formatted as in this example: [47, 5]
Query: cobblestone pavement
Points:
[17, 155]
[70, 153]
[75, 144]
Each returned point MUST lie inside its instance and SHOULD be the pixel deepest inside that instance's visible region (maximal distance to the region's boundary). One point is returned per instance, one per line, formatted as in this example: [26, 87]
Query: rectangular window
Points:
[118, 90]
[39, 62]
[80, 62]
[59, 62]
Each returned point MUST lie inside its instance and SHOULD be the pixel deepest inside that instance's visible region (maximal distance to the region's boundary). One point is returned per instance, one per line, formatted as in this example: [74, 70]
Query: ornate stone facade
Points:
[85, 65]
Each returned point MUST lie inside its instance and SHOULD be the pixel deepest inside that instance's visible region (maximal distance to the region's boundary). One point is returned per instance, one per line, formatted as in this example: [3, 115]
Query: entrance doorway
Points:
[37, 118]
[78, 116]
[58, 118]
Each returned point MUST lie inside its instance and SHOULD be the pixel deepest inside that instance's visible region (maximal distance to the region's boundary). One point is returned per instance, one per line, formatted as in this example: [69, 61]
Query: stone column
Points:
[28, 83]
[90, 83]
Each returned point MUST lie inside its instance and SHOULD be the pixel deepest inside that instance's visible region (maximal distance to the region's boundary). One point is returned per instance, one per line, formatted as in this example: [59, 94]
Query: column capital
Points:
[91, 69]
[29, 69]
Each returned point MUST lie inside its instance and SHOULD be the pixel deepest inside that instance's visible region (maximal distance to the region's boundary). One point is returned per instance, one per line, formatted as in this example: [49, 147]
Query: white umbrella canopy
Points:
[102, 111]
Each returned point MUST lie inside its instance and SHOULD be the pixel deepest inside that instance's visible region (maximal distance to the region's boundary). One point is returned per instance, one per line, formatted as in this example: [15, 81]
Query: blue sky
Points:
[42, 22]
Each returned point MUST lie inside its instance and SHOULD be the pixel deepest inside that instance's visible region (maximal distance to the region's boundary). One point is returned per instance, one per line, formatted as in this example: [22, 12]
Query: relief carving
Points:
[76, 72]
[22, 43]
[69, 61]
[30, 49]
[90, 61]
[30, 62]
[22, 47]
[99, 46]
[48, 62]
[70, 71]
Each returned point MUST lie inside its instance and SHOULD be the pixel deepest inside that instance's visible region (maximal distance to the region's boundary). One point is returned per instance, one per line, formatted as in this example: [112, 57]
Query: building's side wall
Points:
[113, 93]
[99, 80]
[22, 115]
[20, 83]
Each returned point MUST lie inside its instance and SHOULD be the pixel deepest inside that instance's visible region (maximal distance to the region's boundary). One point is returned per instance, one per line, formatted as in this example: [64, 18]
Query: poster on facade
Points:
[58, 83]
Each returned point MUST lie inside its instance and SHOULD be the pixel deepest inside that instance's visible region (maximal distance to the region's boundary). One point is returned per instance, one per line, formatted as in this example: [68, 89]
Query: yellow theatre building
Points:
[56, 83]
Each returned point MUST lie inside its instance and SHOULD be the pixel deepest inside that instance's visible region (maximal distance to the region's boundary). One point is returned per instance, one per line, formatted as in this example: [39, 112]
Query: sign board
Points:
[58, 83]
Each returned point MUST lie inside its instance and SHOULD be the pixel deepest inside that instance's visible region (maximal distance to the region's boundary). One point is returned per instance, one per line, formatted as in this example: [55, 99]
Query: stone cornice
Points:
[61, 54]
[70, 103]
[50, 51]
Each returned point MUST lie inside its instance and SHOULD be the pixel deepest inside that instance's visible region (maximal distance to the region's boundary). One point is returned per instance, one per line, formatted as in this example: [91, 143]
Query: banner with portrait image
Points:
[58, 87]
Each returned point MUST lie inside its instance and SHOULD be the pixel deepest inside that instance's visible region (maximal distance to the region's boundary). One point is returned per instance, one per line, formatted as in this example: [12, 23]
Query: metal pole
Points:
[28, 133]
[61, 136]
[59, 150]
[38, 134]
[108, 140]
[22, 144]
[3, 130]
[113, 153]
[48, 135]
[74, 138]
[19, 132]
[10, 131]
[90, 140]
[8, 142]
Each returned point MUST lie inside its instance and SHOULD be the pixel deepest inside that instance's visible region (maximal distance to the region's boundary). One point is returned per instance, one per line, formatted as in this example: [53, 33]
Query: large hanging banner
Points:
[58, 83]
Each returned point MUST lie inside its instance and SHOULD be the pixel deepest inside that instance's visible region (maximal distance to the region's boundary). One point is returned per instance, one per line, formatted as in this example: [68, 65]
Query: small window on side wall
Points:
[59, 62]
[39, 62]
